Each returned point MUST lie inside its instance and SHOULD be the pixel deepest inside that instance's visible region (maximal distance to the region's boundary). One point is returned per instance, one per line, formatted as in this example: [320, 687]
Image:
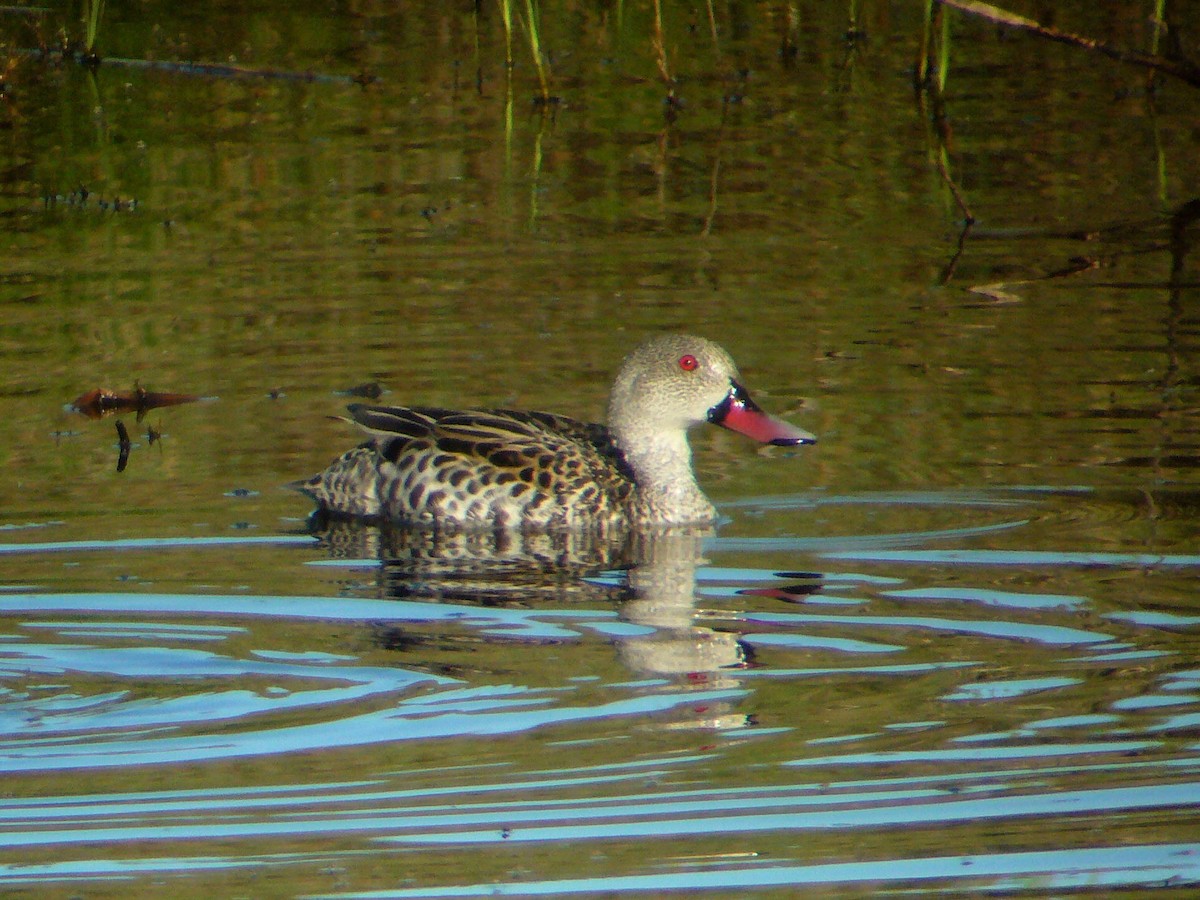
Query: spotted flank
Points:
[493, 468]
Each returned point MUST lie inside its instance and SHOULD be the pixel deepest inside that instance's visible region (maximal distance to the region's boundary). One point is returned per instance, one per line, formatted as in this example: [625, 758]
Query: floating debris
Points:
[101, 402]
[123, 446]
[17, 526]
[82, 198]
[370, 390]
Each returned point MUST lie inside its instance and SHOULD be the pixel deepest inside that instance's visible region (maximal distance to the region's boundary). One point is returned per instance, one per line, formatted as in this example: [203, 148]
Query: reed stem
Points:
[535, 47]
[660, 50]
[92, 11]
[506, 17]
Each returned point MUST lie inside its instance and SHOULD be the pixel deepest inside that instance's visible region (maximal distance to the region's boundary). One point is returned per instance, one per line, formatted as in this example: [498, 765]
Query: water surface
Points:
[953, 647]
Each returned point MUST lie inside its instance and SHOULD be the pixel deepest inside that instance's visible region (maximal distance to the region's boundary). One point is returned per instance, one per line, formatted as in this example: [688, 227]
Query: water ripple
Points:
[1114, 866]
[1018, 558]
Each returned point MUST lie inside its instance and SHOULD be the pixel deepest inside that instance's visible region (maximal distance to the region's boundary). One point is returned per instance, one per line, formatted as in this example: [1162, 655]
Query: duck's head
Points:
[671, 383]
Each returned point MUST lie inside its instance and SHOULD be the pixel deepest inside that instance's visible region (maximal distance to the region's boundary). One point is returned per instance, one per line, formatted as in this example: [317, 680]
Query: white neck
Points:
[662, 462]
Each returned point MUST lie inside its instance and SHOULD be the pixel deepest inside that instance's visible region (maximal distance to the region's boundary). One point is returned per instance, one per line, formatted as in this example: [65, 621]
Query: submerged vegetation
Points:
[93, 11]
[680, 53]
[1162, 55]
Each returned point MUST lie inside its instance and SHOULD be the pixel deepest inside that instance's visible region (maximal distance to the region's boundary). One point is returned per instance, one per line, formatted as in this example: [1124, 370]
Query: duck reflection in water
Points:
[508, 507]
[650, 575]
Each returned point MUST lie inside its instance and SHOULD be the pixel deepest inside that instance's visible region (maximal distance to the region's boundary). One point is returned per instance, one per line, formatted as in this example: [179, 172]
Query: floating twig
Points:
[98, 403]
[210, 70]
[1183, 69]
[369, 390]
[123, 446]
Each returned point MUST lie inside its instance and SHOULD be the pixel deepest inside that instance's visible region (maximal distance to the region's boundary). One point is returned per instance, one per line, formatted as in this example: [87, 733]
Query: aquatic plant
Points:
[92, 12]
[535, 46]
[660, 57]
[506, 18]
[935, 39]
[1175, 65]
[533, 19]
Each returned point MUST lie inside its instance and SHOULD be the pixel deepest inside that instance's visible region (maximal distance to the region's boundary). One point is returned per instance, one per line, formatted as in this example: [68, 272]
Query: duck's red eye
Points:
[688, 363]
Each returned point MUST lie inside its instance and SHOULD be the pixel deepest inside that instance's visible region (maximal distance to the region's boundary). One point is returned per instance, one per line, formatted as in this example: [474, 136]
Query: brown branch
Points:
[210, 70]
[1181, 68]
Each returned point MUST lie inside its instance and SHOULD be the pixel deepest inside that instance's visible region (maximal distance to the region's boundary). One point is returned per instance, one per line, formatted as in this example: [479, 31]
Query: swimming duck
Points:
[502, 468]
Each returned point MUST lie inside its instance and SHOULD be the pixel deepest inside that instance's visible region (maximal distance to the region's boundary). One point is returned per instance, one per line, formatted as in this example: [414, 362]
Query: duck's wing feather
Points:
[506, 438]
[395, 421]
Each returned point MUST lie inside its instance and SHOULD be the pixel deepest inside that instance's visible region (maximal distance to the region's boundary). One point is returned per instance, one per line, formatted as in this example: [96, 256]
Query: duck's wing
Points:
[505, 438]
[390, 422]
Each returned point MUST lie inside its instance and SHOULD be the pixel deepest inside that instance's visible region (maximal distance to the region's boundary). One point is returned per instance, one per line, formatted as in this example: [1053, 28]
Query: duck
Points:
[469, 469]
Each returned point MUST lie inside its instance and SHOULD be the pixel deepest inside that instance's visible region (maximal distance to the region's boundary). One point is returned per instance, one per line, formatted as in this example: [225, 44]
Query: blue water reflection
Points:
[1174, 865]
[844, 710]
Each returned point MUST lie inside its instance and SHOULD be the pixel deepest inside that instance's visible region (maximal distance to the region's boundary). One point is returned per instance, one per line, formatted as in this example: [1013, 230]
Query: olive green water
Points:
[952, 647]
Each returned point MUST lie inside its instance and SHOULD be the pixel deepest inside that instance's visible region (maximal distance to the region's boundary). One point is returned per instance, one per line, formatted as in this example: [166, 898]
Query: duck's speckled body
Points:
[503, 468]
